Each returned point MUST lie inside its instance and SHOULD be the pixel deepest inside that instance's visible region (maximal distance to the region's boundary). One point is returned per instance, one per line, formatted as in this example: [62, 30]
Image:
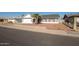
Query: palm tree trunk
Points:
[36, 20]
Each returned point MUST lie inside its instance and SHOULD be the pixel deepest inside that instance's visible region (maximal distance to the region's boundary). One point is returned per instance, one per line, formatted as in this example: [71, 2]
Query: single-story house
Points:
[53, 18]
[28, 19]
[7, 20]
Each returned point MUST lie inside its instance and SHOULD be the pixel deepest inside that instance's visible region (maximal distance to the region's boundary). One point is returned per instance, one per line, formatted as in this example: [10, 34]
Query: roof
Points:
[73, 15]
[27, 16]
[52, 16]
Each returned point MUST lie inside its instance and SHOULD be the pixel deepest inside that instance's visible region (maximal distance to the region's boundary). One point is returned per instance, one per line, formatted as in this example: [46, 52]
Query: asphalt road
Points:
[13, 37]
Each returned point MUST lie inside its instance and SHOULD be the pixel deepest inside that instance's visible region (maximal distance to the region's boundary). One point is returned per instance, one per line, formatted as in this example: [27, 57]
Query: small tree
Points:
[36, 18]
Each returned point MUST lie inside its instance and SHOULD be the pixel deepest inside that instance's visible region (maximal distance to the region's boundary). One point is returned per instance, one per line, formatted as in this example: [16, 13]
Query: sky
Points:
[41, 13]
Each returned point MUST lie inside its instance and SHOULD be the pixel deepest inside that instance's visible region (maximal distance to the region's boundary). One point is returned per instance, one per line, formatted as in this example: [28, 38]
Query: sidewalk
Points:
[42, 30]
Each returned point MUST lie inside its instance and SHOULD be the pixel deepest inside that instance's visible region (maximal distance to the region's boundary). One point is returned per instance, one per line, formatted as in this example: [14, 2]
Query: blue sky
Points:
[42, 13]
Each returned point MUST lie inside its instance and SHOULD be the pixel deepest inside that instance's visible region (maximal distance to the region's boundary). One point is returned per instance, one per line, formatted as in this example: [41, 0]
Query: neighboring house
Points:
[7, 20]
[12, 21]
[70, 18]
[72, 21]
[53, 18]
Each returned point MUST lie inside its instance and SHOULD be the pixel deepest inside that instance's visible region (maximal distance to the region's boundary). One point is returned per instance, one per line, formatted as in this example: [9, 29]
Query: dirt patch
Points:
[51, 26]
[44, 26]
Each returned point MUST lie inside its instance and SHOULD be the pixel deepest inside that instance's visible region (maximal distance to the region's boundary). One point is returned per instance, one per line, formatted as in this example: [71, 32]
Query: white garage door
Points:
[27, 21]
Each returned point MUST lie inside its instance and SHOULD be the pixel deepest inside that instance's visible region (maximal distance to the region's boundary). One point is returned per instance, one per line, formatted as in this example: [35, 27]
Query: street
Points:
[14, 37]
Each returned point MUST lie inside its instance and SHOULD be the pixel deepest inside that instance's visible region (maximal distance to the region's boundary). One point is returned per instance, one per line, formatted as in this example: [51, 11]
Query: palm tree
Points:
[36, 18]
